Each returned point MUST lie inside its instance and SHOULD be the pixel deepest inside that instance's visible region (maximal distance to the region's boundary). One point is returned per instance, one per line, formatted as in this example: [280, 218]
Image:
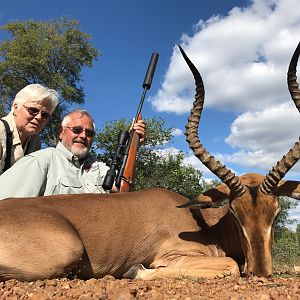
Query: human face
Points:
[31, 117]
[78, 143]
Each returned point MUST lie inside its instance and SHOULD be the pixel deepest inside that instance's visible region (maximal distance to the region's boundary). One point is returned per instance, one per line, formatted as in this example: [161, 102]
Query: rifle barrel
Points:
[147, 81]
[146, 85]
[150, 70]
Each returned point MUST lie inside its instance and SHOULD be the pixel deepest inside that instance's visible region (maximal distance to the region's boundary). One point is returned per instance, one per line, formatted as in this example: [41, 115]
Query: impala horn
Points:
[290, 159]
[226, 175]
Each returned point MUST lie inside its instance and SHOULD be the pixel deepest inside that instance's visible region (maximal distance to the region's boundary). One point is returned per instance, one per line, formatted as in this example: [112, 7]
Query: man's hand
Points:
[140, 128]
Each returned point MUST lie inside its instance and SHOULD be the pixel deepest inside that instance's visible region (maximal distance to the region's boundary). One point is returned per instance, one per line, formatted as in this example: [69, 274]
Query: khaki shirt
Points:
[33, 143]
[52, 171]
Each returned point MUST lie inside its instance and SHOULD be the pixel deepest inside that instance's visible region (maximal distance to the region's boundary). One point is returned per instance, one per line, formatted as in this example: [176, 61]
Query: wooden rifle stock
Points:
[126, 184]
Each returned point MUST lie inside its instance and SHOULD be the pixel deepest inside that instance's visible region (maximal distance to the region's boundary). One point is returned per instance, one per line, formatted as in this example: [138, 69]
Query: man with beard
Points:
[67, 169]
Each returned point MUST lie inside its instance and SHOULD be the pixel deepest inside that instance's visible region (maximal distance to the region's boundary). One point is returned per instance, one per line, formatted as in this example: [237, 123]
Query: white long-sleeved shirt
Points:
[52, 171]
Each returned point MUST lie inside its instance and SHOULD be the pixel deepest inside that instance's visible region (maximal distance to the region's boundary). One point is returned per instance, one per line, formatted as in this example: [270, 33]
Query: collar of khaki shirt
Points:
[73, 158]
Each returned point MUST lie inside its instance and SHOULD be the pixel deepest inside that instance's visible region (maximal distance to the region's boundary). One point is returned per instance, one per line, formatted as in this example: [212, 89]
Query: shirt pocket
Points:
[69, 185]
[95, 185]
[95, 176]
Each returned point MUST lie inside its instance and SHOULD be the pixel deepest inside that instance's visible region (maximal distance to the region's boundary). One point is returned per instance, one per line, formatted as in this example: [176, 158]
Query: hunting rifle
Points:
[122, 165]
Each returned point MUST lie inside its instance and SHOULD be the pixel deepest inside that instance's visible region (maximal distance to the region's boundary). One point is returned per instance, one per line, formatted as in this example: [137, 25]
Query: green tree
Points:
[152, 168]
[106, 140]
[286, 250]
[298, 234]
[51, 53]
[283, 220]
[169, 171]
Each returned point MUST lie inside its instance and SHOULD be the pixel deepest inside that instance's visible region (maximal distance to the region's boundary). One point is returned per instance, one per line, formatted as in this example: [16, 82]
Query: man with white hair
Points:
[67, 169]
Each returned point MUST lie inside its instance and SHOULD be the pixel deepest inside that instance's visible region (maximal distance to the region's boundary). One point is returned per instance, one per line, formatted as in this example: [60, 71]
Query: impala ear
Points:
[212, 198]
[288, 188]
[217, 196]
[212, 216]
[210, 206]
[204, 203]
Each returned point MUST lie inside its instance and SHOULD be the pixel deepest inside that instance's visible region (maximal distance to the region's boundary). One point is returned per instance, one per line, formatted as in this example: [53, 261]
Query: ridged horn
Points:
[292, 78]
[291, 158]
[225, 174]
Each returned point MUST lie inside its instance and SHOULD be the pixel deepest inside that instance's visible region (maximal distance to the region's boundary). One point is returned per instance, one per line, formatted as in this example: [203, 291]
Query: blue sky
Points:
[241, 48]
[126, 33]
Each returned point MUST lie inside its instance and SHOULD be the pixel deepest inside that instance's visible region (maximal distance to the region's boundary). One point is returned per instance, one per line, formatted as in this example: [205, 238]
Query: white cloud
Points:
[177, 132]
[264, 137]
[271, 129]
[242, 57]
[191, 159]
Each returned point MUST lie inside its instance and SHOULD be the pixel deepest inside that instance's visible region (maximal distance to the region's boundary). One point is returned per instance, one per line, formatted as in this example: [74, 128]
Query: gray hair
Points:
[81, 113]
[36, 92]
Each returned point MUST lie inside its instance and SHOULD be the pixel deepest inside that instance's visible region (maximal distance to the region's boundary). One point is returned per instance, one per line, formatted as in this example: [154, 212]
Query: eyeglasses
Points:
[77, 130]
[33, 111]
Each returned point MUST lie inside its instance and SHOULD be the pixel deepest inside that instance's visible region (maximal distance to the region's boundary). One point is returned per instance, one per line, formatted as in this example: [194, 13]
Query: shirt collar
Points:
[71, 157]
[68, 154]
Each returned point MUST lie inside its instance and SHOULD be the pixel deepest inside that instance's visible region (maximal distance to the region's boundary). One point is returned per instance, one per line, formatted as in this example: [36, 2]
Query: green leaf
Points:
[51, 53]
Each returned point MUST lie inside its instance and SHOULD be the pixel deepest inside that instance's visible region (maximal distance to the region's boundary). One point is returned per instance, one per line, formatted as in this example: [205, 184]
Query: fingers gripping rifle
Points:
[122, 165]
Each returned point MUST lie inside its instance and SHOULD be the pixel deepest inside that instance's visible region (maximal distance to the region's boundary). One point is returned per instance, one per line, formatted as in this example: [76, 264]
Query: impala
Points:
[152, 233]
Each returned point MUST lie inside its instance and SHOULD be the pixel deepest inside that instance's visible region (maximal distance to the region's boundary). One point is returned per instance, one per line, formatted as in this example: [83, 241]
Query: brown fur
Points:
[92, 235]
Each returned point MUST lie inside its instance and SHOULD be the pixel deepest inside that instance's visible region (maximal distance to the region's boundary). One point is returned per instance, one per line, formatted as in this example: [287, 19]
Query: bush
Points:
[286, 251]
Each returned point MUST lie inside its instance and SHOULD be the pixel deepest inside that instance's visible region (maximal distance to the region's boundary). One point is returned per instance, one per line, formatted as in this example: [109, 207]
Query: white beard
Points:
[79, 152]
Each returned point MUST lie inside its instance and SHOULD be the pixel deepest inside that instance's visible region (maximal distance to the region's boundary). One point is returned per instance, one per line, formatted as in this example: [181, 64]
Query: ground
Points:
[279, 287]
